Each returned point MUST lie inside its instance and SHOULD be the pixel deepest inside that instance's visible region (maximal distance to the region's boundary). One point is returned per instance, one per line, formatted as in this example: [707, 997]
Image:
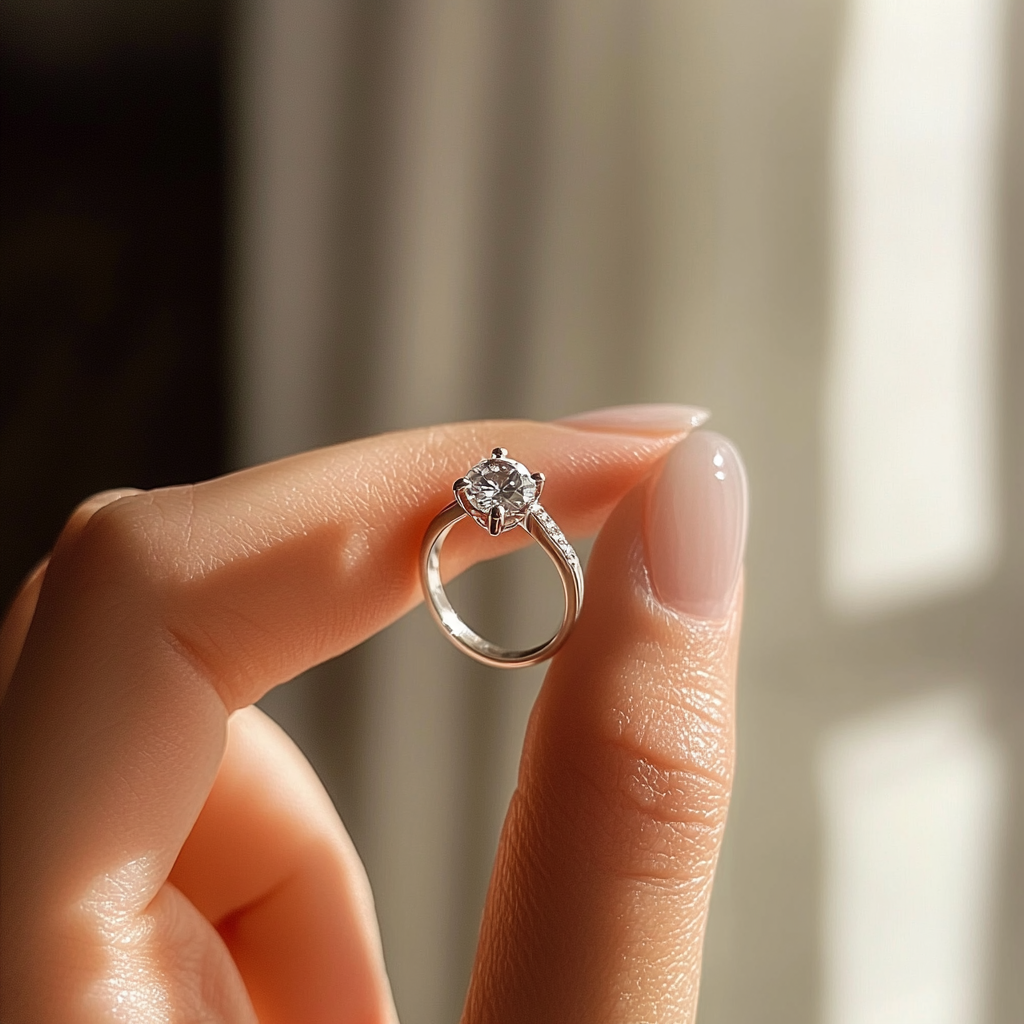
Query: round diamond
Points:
[502, 483]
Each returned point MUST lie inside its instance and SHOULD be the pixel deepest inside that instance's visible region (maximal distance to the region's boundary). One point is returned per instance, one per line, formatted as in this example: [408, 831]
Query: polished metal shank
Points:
[543, 529]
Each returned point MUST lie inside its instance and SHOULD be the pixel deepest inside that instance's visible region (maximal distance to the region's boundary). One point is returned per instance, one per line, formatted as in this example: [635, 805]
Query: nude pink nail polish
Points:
[646, 420]
[696, 526]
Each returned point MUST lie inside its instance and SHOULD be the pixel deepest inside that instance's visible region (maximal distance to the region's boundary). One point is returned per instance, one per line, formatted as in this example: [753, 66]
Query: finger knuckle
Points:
[118, 547]
[668, 815]
[663, 770]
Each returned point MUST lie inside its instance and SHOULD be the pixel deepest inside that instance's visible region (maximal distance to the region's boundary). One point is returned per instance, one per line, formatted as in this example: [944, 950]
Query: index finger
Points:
[172, 608]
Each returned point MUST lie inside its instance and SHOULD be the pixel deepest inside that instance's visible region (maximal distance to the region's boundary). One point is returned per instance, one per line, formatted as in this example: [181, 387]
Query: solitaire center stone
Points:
[500, 483]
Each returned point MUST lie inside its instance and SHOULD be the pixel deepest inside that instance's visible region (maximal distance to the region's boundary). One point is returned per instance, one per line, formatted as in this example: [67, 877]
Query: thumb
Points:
[600, 889]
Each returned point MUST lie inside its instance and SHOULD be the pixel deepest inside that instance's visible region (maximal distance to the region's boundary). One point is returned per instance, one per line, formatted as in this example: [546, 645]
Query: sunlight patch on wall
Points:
[913, 801]
[909, 399]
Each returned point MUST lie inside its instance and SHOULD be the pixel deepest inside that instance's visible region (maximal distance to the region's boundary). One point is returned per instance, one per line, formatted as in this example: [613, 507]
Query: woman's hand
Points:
[168, 855]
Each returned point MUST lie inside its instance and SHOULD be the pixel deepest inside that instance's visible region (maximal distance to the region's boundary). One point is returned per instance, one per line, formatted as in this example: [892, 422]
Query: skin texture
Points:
[170, 856]
[612, 836]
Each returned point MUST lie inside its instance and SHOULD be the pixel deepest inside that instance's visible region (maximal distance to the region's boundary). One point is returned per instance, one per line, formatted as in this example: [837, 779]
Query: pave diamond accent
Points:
[500, 483]
[553, 530]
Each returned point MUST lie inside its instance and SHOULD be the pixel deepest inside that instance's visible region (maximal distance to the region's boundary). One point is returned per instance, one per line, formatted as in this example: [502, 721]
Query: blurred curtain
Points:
[463, 208]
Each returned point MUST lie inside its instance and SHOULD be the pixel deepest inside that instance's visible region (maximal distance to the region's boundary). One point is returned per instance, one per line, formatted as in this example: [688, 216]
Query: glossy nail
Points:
[644, 420]
[696, 526]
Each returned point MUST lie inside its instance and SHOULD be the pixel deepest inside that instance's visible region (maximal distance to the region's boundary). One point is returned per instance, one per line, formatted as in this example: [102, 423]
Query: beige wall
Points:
[620, 202]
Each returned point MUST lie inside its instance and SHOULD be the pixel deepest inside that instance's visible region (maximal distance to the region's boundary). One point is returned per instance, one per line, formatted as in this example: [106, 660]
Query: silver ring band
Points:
[527, 514]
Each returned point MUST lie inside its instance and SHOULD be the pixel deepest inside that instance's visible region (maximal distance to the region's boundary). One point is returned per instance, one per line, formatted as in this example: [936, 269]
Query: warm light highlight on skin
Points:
[238, 896]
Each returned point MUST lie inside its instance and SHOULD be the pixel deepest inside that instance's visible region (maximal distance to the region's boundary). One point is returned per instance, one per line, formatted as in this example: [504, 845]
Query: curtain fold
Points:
[449, 209]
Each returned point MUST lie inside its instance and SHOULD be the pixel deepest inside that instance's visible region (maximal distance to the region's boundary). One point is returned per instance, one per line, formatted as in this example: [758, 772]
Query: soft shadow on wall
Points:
[654, 194]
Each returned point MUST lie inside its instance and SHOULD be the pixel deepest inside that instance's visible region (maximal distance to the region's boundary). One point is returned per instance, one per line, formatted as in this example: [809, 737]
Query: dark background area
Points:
[112, 211]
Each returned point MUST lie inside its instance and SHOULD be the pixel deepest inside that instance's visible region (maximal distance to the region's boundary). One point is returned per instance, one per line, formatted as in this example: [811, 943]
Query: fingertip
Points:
[695, 526]
[644, 673]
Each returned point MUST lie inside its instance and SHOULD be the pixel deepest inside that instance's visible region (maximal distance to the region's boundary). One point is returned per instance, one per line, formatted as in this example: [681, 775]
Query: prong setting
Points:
[461, 488]
[498, 493]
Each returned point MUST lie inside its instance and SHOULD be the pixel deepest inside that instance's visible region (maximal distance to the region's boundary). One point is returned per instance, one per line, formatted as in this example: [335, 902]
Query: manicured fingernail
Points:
[97, 501]
[696, 526]
[646, 420]
[88, 508]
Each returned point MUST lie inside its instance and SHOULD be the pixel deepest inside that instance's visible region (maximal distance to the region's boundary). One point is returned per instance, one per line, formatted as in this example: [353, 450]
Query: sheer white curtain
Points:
[460, 208]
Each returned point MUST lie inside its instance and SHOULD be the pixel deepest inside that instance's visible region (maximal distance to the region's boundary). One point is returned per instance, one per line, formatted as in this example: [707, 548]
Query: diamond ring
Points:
[500, 494]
